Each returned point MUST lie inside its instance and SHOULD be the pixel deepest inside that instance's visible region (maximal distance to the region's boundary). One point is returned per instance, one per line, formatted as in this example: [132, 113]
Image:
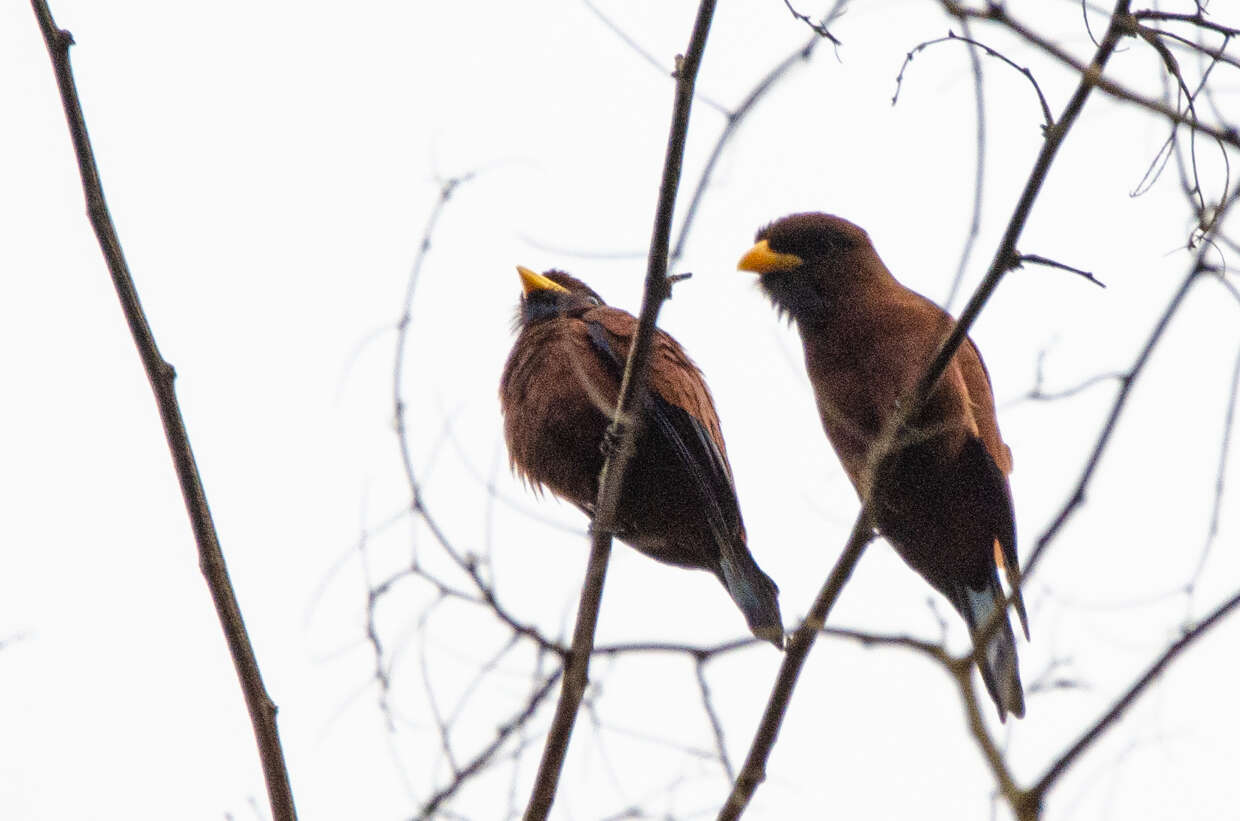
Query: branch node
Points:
[672, 281]
[167, 372]
[818, 28]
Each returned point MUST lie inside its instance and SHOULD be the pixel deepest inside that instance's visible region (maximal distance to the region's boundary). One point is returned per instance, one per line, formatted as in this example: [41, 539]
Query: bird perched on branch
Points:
[940, 495]
[558, 394]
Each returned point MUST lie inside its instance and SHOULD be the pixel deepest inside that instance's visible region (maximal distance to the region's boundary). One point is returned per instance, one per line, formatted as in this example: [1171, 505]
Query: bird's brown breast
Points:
[557, 397]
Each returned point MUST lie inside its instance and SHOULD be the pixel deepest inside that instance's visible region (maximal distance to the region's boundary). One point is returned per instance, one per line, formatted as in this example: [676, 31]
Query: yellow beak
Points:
[532, 281]
[760, 259]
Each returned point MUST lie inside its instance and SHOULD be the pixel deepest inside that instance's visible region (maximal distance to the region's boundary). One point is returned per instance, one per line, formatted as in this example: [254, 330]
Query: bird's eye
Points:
[593, 302]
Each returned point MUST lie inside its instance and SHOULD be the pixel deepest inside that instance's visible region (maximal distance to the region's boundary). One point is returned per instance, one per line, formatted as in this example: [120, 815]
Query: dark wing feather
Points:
[687, 437]
[1000, 518]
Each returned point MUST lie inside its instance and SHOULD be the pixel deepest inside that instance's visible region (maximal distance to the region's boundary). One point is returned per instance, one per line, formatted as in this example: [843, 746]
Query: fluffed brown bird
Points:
[942, 500]
[558, 393]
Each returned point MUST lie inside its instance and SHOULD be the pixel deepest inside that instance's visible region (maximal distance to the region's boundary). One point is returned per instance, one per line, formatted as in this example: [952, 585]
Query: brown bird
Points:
[558, 394]
[942, 500]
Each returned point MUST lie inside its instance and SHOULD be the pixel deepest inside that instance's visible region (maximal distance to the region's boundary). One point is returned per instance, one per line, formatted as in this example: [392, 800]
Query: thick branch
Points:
[1005, 257]
[161, 375]
[623, 431]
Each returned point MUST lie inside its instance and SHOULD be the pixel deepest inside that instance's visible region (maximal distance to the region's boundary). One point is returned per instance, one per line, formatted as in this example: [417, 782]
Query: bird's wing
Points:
[981, 397]
[680, 412]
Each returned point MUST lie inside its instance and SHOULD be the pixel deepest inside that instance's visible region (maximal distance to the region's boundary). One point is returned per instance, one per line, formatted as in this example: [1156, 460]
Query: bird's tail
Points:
[997, 660]
[754, 593]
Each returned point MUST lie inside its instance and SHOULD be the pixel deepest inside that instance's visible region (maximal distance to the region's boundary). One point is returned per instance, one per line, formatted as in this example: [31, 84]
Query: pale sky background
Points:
[270, 167]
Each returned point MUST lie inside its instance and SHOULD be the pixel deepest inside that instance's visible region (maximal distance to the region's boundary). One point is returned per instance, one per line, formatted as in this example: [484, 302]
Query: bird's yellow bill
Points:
[532, 281]
[760, 259]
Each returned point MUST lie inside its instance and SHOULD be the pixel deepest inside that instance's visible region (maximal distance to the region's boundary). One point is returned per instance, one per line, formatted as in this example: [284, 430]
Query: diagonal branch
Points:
[623, 430]
[1034, 794]
[802, 640]
[819, 29]
[754, 771]
[1077, 497]
[487, 754]
[161, 375]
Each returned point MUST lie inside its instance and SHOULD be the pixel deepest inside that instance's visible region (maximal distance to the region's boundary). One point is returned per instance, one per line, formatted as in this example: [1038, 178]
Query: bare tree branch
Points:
[735, 118]
[952, 36]
[1220, 477]
[641, 51]
[802, 640]
[753, 772]
[502, 734]
[819, 28]
[623, 430]
[997, 13]
[979, 167]
[161, 375]
[1037, 259]
[1077, 498]
[716, 726]
[417, 502]
[1030, 808]
[1198, 20]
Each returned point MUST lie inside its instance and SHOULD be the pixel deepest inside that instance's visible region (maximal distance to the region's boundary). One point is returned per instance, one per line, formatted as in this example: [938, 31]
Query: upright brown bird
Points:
[942, 499]
[558, 394]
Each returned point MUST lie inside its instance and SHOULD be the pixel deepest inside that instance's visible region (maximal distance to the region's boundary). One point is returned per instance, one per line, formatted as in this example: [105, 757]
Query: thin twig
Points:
[960, 669]
[997, 12]
[1047, 119]
[1037, 259]
[1006, 256]
[1077, 497]
[161, 375]
[819, 28]
[623, 430]
[650, 59]
[1198, 20]
[1040, 395]
[716, 726]
[735, 118]
[979, 167]
[484, 757]
[417, 503]
[1180, 41]
[1220, 476]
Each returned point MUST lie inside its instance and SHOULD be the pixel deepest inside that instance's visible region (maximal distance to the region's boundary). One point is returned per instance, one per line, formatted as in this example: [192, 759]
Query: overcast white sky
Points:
[270, 167]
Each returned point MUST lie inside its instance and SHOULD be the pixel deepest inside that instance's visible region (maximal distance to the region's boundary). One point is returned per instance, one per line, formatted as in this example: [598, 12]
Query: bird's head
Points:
[552, 294]
[806, 262]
